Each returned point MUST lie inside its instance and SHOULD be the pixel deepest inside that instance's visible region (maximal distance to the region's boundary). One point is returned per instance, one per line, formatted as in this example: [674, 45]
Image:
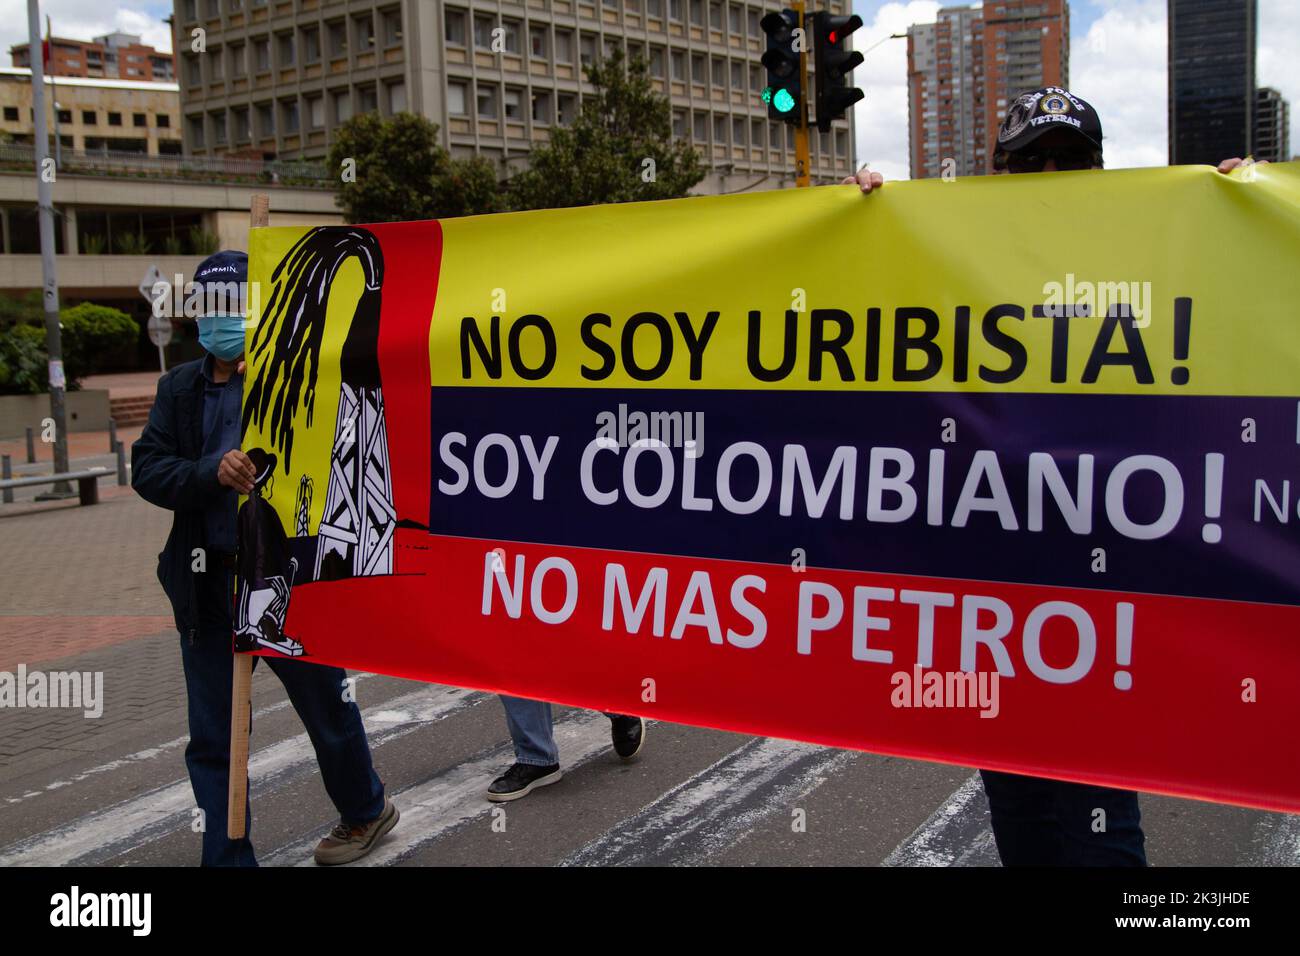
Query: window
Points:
[262, 54]
[396, 97]
[514, 105]
[196, 131]
[191, 8]
[454, 27]
[738, 131]
[193, 71]
[487, 102]
[756, 133]
[675, 10]
[679, 124]
[537, 42]
[542, 108]
[657, 61]
[654, 8]
[342, 104]
[215, 61]
[456, 98]
[734, 22]
[139, 119]
[289, 116]
[218, 121]
[315, 111]
[311, 45]
[510, 31]
[483, 27]
[755, 78]
[700, 127]
[754, 29]
[115, 119]
[719, 129]
[697, 12]
[237, 67]
[63, 116]
[284, 43]
[567, 108]
[611, 47]
[11, 114]
[363, 27]
[265, 121]
[698, 68]
[367, 99]
[338, 38]
[715, 14]
[737, 75]
[719, 72]
[392, 24]
[563, 46]
[88, 117]
[243, 128]
[587, 49]
[162, 121]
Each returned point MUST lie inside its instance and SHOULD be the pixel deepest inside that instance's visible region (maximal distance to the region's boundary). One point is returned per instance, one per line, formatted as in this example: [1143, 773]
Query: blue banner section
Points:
[1185, 495]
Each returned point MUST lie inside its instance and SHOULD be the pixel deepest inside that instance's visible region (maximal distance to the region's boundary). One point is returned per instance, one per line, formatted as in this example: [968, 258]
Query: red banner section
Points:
[831, 657]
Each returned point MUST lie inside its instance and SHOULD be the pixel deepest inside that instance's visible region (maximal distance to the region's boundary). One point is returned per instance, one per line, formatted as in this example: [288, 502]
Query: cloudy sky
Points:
[1117, 62]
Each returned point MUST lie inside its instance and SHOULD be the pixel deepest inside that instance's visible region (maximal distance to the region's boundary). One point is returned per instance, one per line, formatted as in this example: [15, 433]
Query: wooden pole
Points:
[241, 692]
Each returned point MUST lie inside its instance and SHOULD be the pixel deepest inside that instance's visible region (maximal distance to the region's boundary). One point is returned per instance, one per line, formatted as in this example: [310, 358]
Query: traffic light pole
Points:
[802, 158]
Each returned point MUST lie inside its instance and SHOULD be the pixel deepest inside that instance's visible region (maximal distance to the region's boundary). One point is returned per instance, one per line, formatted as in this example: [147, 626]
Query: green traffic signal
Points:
[783, 101]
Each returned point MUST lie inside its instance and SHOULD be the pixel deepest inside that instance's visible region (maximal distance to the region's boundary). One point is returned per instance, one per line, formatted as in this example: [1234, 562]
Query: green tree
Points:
[392, 169]
[620, 148]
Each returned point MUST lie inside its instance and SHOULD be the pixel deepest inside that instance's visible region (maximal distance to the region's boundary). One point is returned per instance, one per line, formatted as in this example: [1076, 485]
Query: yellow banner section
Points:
[922, 286]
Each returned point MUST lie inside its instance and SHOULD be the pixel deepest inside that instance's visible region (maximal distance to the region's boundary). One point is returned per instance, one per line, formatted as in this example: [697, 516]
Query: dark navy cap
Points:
[1052, 107]
[223, 277]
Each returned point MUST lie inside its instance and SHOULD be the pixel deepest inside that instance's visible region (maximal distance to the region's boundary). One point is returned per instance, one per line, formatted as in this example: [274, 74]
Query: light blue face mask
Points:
[222, 335]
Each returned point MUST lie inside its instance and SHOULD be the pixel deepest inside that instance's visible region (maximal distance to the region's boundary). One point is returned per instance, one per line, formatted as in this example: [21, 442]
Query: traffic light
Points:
[832, 65]
[784, 92]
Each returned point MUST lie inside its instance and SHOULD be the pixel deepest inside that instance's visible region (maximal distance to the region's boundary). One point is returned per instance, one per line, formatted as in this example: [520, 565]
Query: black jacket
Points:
[166, 471]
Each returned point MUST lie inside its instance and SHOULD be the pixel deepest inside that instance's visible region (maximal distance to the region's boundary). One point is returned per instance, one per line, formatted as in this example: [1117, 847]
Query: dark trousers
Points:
[1040, 822]
[316, 692]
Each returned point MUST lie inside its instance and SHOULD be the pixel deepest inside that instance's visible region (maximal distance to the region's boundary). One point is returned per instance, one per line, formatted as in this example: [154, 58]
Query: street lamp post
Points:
[45, 173]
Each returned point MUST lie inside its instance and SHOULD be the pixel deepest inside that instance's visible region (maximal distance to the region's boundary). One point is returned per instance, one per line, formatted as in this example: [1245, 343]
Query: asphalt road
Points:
[79, 594]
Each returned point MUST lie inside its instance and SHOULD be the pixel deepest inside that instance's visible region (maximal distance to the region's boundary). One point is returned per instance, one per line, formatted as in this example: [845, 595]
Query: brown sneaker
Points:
[347, 842]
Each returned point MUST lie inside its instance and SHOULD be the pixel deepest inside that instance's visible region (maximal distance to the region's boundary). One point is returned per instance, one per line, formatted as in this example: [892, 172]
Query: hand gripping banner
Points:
[1002, 472]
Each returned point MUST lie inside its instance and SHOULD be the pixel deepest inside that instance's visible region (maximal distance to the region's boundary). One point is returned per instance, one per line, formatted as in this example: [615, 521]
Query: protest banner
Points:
[1002, 472]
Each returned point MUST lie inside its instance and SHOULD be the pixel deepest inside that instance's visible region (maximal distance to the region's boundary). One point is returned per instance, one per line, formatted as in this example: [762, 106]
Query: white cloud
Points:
[881, 117]
[83, 19]
[1119, 66]
[1276, 61]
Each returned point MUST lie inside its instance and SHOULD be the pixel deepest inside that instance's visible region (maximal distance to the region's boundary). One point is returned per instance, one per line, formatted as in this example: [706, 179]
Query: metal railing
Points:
[207, 168]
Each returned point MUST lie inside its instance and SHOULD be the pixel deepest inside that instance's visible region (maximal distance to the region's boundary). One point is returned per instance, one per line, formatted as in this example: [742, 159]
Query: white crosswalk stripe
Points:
[456, 796]
[105, 833]
[956, 834]
[710, 811]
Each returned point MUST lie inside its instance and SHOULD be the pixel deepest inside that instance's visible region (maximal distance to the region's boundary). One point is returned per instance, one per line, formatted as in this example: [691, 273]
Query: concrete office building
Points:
[1272, 126]
[965, 69]
[277, 76]
[1211, 79]
[94, 115]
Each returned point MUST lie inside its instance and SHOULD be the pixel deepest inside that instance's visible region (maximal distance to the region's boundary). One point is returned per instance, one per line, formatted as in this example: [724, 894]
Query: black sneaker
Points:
[520, 780]
[628, 734]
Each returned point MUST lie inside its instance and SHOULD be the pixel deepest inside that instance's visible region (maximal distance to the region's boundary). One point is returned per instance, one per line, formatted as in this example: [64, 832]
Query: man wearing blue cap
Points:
[188, 460]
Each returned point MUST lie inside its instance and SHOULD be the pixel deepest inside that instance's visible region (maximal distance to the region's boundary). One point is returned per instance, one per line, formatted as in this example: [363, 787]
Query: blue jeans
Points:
[531, 731]
[1040, 822]
[316, 692]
